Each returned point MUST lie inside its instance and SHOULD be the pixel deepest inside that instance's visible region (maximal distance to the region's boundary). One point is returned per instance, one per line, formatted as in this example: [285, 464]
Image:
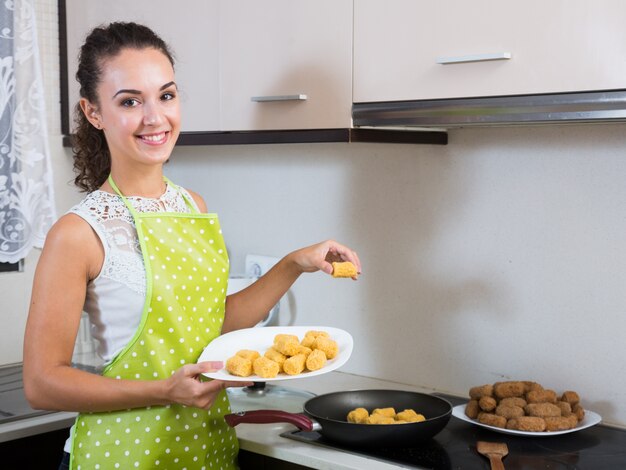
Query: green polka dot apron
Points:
[186, 274]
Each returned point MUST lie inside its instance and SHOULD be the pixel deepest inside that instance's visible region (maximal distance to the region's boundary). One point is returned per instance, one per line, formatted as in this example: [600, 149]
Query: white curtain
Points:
[26, 192]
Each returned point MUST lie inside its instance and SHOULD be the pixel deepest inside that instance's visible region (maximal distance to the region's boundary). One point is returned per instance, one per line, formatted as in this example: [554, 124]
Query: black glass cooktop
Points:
[454, 448]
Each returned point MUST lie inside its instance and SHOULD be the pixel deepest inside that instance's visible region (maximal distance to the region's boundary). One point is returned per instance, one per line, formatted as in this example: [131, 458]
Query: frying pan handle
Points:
[299, 420]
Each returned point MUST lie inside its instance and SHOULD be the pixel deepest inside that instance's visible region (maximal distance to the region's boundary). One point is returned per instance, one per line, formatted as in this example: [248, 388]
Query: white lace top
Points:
[115, 298]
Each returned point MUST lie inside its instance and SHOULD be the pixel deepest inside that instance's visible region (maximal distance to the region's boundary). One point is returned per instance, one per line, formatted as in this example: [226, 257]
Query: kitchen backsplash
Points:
[501, 255]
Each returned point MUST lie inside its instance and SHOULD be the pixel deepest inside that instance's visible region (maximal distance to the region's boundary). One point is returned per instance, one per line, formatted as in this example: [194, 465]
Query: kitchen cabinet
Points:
[192, 31]
[40, 451]
[407, 50]
[239, 61]
[285, 64]
[248, 72]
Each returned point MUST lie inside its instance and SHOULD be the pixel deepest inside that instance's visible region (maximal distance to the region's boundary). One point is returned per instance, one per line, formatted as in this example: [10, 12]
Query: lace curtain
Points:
[26, 192]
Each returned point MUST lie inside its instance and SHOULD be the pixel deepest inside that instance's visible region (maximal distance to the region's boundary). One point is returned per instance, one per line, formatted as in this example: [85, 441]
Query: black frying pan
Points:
[327, 414]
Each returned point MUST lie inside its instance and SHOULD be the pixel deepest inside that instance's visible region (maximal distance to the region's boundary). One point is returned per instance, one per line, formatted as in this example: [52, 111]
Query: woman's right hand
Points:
[185, 386]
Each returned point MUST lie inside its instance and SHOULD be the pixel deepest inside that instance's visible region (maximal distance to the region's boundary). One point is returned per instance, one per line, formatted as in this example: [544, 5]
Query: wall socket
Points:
[257, 265]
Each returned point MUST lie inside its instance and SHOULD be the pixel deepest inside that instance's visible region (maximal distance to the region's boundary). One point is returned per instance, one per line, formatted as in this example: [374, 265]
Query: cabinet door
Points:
[191, 30]
[279, 49]
[554, 46]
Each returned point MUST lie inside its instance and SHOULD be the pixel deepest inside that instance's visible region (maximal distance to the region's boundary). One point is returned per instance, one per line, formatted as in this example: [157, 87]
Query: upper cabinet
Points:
[285, 64]
[191, 31]
[241, 65]
[408, 50]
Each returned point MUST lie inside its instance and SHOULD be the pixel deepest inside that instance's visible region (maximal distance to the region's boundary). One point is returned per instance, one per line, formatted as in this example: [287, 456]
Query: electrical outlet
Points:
[257, 265]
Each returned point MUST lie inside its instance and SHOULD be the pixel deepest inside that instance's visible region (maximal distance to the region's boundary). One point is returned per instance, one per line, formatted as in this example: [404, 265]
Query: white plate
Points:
[590, 419]
[260, 339]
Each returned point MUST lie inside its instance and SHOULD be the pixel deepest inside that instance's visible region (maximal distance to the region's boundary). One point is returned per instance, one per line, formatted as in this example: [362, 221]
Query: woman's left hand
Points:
[321, 255]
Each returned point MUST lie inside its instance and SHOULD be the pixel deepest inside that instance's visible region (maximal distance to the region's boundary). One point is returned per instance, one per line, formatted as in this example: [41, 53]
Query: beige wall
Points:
[499, 256]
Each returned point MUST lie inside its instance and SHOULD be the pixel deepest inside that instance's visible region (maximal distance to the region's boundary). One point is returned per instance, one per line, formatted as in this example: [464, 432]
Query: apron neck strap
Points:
[132, 210]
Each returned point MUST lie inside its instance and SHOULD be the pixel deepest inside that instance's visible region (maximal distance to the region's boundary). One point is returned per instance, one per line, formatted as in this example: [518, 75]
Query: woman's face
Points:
[138, 108]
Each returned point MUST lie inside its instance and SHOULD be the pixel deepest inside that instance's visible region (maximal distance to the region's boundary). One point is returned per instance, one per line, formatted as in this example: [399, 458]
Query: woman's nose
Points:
[152, 116]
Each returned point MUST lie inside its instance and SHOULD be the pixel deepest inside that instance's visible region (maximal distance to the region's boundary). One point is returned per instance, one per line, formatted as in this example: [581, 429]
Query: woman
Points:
[149, 265]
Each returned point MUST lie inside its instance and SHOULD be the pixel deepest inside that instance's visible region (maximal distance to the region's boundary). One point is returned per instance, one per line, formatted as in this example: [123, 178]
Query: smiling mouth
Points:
[154, 139]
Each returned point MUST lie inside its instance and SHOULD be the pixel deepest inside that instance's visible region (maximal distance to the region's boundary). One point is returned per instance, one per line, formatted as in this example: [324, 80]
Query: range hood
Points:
[555, 108]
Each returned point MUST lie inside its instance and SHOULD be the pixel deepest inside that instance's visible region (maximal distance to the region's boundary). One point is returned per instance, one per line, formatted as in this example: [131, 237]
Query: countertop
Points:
[599, 447]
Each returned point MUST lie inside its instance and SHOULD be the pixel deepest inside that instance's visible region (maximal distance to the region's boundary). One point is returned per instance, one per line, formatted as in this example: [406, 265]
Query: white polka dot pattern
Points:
[186, 261]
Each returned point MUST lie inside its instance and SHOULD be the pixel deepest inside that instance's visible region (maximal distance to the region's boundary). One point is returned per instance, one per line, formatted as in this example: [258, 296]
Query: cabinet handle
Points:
[474, 58]
[260, 99]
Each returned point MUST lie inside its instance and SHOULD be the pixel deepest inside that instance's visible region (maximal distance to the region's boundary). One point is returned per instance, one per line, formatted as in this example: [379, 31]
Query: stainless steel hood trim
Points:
[553, 108]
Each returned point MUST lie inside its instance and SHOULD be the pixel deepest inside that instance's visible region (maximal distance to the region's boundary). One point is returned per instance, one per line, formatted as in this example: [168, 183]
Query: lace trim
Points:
[124, 263]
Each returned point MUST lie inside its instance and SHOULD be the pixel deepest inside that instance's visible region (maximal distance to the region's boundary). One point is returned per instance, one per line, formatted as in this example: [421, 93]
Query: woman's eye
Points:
[168, 96]
[130, 102]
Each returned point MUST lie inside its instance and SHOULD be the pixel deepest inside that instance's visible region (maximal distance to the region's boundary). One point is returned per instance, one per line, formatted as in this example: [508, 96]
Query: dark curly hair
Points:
[92, 159]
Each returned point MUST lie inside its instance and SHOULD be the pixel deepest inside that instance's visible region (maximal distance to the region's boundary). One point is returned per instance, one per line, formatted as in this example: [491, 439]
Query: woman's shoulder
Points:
[70, 230]
[196, 198]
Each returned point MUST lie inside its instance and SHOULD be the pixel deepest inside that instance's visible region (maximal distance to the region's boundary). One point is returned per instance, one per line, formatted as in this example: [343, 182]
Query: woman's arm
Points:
[246, 308]
[73, 255]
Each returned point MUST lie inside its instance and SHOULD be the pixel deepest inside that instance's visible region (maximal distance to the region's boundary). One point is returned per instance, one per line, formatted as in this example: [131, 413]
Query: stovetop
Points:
[454, 448]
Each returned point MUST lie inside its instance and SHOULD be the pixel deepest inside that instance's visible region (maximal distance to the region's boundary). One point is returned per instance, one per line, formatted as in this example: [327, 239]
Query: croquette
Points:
[513, 401]
[508, 389]
[578, 411]
[329, 346]
[472, 409]
[509, 411]
[390, 412]
[344, 269]
[529, 386]
[240, 366]
[277, 357]
[287, 344]
[303, 350]
[410, 416]
[570, 397]
[487, 403]
[248, 354]
[376, 418]
[542, 410]
[359, 416]
[295, 364]
[527, 423]
[316, 360]
[265, 368]
[541, 396]
[492, 420]
[476, 393]
[309, 337]
[558, 423]
[566, 408]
